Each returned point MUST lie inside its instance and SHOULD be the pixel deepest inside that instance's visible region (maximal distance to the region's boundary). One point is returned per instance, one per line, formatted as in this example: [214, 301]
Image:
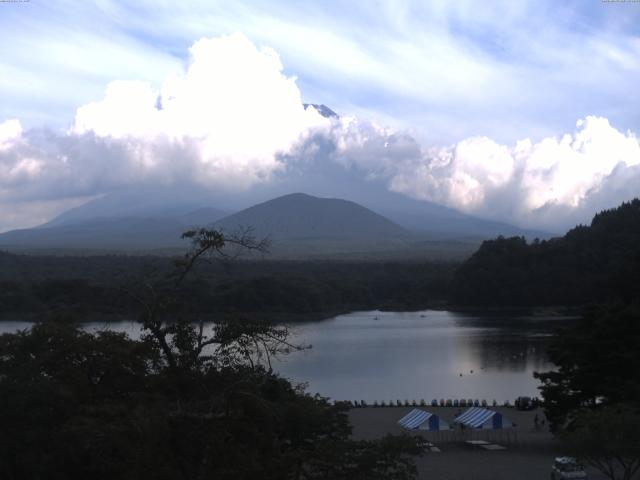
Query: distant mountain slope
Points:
[299, 225]
[302, 225]
[600, 262]
[431, 221]
[301, 216]
[121, 233]
[103, 234]
[201, 216]
[436, 222]
[322, 110]
[144, 203]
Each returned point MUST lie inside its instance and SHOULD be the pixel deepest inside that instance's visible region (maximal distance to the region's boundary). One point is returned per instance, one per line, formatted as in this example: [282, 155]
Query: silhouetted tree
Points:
[607, 439]
[181, 403]
[592, 398]
[596, 364]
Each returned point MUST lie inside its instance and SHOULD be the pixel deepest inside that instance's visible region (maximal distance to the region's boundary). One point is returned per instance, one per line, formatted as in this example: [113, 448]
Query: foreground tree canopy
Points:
[597, 364]
[593, 398]
[180, 403]
[606, 438]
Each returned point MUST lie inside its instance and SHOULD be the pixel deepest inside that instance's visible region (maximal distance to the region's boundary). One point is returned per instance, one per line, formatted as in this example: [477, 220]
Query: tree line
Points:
[590, 264]
[83, 286]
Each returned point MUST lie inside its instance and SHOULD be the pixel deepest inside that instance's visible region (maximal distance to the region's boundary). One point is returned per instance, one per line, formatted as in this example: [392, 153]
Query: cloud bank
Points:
[232, 109]
[233, 120]
[551, 184]
[452, 70]
[223, 123]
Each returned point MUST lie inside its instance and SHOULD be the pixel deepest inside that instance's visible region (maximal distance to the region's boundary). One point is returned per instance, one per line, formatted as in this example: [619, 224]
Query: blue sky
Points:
[446, 69]
[470, 83]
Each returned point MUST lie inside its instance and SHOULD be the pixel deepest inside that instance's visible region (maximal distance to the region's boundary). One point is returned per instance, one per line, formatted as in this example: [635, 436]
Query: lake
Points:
[377, 356]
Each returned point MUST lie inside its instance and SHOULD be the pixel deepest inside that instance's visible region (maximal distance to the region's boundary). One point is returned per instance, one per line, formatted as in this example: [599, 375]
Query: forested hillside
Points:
[96, 285]
[595, 263]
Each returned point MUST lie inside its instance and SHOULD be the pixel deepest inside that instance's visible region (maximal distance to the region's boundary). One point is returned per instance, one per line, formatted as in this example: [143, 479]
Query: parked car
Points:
[567, 467]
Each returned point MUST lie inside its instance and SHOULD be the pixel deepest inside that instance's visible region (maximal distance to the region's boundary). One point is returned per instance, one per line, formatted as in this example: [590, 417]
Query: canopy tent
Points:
[477, 417]
[421, 420]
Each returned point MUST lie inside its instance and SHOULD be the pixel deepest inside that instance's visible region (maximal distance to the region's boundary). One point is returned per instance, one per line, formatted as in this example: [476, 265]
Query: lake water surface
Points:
[377, 356]
[422, 355]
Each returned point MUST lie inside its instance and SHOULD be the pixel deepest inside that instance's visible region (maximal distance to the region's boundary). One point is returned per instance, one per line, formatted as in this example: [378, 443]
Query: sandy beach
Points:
[528, 455]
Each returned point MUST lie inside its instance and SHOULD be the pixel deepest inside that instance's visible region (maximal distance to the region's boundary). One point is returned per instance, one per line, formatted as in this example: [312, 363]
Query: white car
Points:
[565, 468]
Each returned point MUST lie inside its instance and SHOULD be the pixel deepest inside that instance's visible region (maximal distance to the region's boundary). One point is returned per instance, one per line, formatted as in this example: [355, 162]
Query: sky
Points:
[525, 112]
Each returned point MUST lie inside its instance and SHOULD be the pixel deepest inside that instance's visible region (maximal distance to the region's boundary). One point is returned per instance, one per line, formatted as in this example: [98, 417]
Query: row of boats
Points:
[459, 403]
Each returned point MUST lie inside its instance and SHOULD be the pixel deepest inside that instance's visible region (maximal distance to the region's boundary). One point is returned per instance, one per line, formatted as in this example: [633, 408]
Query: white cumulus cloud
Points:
[546, 184]
[226, 122]
[232, 120]
[10, 131]
[233, 105]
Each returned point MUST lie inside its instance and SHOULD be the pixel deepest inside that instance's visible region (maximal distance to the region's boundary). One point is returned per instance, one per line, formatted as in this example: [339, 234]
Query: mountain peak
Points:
[299, 215]
[296, 196]
[322, 110]
[305, 197]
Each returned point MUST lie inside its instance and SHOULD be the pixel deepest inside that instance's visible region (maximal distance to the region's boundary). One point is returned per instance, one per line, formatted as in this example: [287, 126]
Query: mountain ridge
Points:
[300, 226]
[301, 215]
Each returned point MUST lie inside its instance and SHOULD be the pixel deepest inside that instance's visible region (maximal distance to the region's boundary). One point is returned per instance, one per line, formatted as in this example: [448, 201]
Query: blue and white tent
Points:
[477, 417]
[421, 420]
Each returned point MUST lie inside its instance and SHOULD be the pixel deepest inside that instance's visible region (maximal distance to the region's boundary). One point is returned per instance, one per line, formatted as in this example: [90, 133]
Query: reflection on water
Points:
[416, 355]
[409, 355]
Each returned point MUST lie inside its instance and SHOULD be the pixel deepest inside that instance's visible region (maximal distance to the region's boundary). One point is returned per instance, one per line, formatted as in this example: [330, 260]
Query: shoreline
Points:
[302, 317]
[528, 453]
